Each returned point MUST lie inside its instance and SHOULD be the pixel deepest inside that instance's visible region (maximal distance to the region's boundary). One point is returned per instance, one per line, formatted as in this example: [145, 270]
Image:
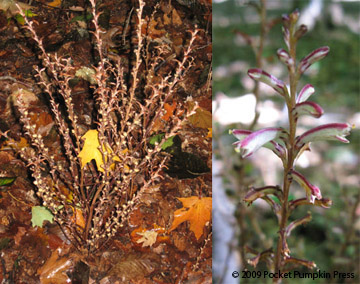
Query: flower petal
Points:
[240, 134]
[305, 93]
[309, 108]
[314, 56]
[258, 138]
[312, 191]
[275, 145]
[262, 76]
[332, 131]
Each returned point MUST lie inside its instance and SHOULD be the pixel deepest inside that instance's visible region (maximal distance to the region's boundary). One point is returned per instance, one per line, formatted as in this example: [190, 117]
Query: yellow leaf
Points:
[196, 210]
[209, 135]
[202, 118]
[55, 3]
[15, 145]
[91, 150]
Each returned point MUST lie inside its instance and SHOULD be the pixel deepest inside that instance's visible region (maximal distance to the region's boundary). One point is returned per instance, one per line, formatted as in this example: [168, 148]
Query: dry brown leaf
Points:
[176, 20]
[55, 268]
[15, 145]
[202, 118]
[134, 267]
[19, 234]
[196, 210]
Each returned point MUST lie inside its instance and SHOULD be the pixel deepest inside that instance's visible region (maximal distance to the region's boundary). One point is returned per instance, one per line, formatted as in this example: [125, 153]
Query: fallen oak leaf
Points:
[148, 238]
[196, 210]
[159, 123]
[169, 110]
[39, 215]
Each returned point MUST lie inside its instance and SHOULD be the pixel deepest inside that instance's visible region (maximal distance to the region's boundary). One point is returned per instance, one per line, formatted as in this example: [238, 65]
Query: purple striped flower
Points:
[308, 108]
[262, 76]
[312, 191]
[314, 56]
[332, 131]
[305, 93]
[249, 142]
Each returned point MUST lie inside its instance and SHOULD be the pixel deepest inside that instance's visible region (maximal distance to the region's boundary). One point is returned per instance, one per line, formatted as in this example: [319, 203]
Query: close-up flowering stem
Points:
[290, 153]
[287, 146]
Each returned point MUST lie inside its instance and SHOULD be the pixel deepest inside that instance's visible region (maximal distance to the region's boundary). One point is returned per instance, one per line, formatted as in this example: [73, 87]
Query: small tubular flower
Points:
[309, 108]
[249, 142]
[305, 93]
[275, 145]
[262, 76]
[324, 203]
[255, 193]
[284, 56]
[332, 131]
[314, 56]
[296, 223]
[312, 191]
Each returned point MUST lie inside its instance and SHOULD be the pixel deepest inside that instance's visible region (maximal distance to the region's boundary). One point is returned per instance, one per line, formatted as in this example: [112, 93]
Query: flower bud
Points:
[300, 32]
[284, 56]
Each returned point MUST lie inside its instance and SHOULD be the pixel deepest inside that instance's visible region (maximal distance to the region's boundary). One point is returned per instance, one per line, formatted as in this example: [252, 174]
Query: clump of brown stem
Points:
[91, 201]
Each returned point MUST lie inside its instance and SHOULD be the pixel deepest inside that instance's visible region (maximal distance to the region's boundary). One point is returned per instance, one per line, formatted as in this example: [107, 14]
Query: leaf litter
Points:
[164, 247]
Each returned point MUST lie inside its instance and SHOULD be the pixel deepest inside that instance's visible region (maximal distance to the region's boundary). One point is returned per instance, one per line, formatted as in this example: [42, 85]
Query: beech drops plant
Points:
[285, 144]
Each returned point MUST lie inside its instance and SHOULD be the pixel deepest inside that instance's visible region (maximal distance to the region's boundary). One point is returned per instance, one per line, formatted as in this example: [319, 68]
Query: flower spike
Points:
[314, 56]
[312, 191]
[262, 76]
[332, 131]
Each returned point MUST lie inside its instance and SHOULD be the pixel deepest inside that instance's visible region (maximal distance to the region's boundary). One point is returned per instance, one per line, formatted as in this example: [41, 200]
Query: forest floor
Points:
[33, 254]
